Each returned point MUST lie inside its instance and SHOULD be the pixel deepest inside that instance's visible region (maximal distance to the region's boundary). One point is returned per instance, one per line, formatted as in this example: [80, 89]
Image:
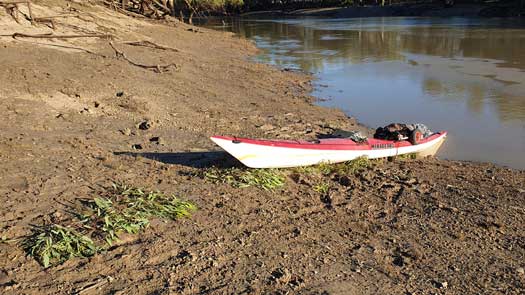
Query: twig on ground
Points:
[15, 2]
[52, 36]
[124, 11]
[66, 47]
[157, 68]
[91, 286]
[149, 44]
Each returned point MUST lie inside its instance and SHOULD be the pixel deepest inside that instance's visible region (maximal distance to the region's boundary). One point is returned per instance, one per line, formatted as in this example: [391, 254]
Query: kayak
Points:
[258, 153]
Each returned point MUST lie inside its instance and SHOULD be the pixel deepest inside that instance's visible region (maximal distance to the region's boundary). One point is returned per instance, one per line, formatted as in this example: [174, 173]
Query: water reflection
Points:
[463, 75]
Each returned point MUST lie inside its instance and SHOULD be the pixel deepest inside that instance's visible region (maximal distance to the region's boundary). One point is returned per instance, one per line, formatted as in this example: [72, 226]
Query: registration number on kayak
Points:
[383, 146]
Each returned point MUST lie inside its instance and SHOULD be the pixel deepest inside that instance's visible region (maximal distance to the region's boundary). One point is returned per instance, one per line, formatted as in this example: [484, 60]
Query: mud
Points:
[73, 122]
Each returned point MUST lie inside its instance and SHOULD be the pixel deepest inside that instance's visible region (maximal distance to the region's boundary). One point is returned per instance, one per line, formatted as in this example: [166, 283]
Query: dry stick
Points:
[57, 16]
[65, 46]
[158, 68]
[97, 284]
[124, 11]
[58, 45]
[51, 36]
[13, 11]
[149, 44]
[166, 9]
[21, 2]
[50, 19]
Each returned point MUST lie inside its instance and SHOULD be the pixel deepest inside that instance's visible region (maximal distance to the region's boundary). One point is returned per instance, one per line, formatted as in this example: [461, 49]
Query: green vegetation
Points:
[408, 156]
[122, 209]
[54, 244]
[323, 188]
[267, 179]
[345, 168]
[270, 179]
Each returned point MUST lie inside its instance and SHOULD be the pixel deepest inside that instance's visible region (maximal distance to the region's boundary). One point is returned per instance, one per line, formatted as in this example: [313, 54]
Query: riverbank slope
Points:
[78, 117]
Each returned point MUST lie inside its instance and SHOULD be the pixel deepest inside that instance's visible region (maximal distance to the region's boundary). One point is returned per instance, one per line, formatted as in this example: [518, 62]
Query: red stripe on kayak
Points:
[330, 144]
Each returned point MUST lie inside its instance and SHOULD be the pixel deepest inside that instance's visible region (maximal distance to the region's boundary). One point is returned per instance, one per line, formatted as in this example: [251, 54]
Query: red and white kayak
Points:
[256, 153]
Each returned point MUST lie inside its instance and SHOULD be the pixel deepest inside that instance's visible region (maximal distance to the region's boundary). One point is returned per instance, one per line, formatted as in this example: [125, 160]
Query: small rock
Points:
[281, 275]
[136, 146]
[440, 285]
[267, 127]
[158, 140]
[120, 93]
[4, 278]
[97, 104]
[520, 271]
[57, 216]
[345, 180]
[146, 125]
[126, 131]
[86, 111]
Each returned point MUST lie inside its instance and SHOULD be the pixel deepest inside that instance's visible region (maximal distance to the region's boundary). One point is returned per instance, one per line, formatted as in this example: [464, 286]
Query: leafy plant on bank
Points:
[124, 209]
[54, 244]
[267, 179]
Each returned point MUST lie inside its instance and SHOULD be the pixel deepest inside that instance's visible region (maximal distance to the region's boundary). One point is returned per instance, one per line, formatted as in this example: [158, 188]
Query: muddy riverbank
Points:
[76, 117]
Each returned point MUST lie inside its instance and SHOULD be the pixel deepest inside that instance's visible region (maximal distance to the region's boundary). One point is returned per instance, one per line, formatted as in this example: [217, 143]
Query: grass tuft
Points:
[351, 167]
[323, 188]
[411, 156]
[267, 179]
[54, 244]
[123, 209]
[131, 210]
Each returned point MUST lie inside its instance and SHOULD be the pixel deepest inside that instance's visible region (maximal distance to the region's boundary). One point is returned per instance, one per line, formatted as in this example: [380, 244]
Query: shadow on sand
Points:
[190, 159]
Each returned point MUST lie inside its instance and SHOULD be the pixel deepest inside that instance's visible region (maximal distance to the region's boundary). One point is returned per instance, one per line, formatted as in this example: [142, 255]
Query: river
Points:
[466, 76]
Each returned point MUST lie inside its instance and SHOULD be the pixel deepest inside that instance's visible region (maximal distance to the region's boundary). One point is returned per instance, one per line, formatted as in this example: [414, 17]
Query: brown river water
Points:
[466, 76]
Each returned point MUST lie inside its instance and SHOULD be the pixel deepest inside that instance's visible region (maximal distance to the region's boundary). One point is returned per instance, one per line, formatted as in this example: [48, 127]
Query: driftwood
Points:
[156, 68]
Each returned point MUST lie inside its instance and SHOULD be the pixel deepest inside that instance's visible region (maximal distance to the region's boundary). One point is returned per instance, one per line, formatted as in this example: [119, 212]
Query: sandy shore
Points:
[71, 125]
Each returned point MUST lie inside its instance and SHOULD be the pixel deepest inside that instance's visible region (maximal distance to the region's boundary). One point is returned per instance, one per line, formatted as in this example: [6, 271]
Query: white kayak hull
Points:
[268, 155]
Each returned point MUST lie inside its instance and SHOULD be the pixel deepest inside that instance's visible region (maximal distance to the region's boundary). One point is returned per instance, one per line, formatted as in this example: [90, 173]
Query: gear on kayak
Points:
[415, 133]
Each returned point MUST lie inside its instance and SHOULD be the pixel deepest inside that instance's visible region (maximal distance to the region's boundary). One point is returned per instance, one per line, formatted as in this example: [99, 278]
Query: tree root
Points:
[149, 44]
[155, 68]
[52, 36]
[14, 9]
[119, 53]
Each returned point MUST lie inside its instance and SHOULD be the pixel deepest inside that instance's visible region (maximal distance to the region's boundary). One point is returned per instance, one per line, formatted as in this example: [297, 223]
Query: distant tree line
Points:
[188, 9]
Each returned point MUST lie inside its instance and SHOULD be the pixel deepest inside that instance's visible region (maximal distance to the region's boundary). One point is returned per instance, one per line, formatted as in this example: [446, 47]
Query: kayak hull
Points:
[282, 154]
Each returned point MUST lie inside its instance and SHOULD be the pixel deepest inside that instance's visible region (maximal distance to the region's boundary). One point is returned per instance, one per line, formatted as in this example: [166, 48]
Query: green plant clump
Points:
[267, 179]
[132, 210]
[54, 244]
[123, 209]
[322, 188]
[351, 167]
